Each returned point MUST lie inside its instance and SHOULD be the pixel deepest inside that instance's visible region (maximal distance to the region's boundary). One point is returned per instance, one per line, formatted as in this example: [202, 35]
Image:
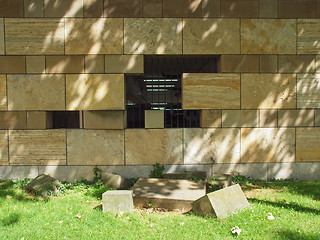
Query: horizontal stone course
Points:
[65, 64]
[13, 120]
[12, 64]
[240, 9]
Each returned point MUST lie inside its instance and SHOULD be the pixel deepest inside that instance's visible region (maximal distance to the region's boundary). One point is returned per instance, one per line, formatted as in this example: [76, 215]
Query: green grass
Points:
[295, 206]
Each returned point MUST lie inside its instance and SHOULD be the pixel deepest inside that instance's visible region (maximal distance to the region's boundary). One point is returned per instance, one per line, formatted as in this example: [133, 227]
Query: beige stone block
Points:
[297, 8]
[3, 93]
[152, 8]
[104, 119]
[93, 8]
[154, 118]
[211, 145]
[63, 8]
[37, 147]
[94, 64]
[308, 140]
[296, 63]
[1, 37]
[240, 8]
[211, 36]
[4, 159]
[13, 120]
[37, 120]
[240, 118]
[239, 63]
[36, 64]
[211, 8]
[33, 8]
[268, 118]
[210, 91]
[308, 90]
[12, 64]
[268, 64]
[34, 36]
[318, 64]
[261, 145]
[210, 118]
[11, 8]
[308, 36]
[64, 64]
[149, 146]
[296, 118]
[153, 36]
[95, 147]
[95, 92]
[124, 64]
[268, 8]
[36, 92]
[271, 91]
[268, 36]
[181, 8]
[317, 118]
[122, 8]
[94, 36]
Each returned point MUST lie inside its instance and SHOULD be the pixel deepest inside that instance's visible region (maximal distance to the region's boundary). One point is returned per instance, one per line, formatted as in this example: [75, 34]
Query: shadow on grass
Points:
[10, 220]
[290, 235]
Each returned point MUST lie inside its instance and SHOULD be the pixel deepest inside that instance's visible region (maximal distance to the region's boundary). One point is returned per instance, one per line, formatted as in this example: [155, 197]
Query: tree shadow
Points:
[10, 220]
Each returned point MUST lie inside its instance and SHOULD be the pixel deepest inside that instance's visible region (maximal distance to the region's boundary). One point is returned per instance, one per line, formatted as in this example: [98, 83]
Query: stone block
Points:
[13, 120]
[153, 36]
[240, 118]
[221, 203]
[36, 64]
[203, 36]
[262, 145]
[94, 36]
[63, 8]
[104, 119]
[152, 8]
[268, 36]
[268, 8]
[307, 141]
[12, 64]
[64, 64]
[37, 119]
[296, 118]
[268, 63]
[18, 172]
[95, 147]
[297, 8]
[317, 118]
[117, 201]
[301, 171]
[124, 64]
[211, 8]
[269, 91]
[318, 63]
[211, 145]
[11, 8]
[3, 93]
[308, 36]
[33, 8]
[239, 63]
[240, 8]
[95, 92]
[93, 8]
[210, 118]
[268, 118]
[36, 92]
[186, 175]
[210, 91]
[37, 147]
[115, 181]
[122, 8]
[42, 184]
[94, 63]
[181, 8]
[297, 63]
[220, 180]
[154, 118]
[4, 156]
[31, 36]
[1, 37]
[149, 146]
[308, 90]
[167, 193]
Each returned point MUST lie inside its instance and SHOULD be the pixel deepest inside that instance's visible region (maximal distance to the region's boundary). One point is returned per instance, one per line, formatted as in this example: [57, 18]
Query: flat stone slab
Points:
[220, 179]
[115, 181]
[221, 203]
[116, 201]
[186, 175]
[43, 184]
[167, 193]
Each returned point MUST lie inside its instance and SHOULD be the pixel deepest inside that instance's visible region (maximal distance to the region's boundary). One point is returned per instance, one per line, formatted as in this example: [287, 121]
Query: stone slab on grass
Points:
[43, 184]
[167, 193]
[115, 181]
[223, 180]
[186, 175]
[116, 201]
[221, 203]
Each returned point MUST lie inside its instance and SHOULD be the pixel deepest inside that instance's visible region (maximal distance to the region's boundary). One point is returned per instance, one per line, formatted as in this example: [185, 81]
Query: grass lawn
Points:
[75, 214]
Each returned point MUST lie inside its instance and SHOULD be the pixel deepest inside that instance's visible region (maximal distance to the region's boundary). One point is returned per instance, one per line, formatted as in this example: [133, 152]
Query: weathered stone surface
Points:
[268, 36]
[34, 36]
[186, 175]
[240, 118]
[4, 160]
[3, 92]
[104, 119]
[168, 194]
[221, 203]
[181, 8]
[308, 90]
[95, 92]
[115, 181]
[268, 118]
[308, 140]
[240, 8]
[210, 118]
[268, 8]
[297, 8]
[95, 147]
[43, 184]
[154, 119]
[210, 91]
[65, 64]
[33, 8]
[37, 147]
[221, 180]
[94, 63]
[12, 64]
[18, 172]
[260, 91]
[94, 36]
[211, 8]
[65, 8]
[93, 8]
[318, 63]
[308, 36]
[268, 64]
[297, 63]
[149, 146]
[211, 36]
[239, 63]
[153, 36]
[267, 145]
[296, 118]
[13, 120]
[36, 64]
[116, 201]
[1, 37]
[37, 119]
[36, 92]
[152, 8]
[11, 8]
[124, 64]
[122, 8]
[211, 145]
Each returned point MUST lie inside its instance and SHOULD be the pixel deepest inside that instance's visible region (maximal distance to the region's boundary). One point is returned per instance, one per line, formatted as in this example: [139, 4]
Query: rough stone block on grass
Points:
[221, 203]
[186, 175]
[167, 193]
[43, 184]
[115, 181]
[117, 201]
[223, 180]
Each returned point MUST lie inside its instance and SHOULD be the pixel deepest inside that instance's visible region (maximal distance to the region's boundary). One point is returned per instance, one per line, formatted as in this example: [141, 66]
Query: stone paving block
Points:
[117, 201]
[115, 181]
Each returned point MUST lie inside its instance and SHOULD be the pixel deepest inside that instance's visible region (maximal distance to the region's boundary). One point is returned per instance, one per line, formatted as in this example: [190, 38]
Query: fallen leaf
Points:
[270, 217]
[78, 216]
[236, 230]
